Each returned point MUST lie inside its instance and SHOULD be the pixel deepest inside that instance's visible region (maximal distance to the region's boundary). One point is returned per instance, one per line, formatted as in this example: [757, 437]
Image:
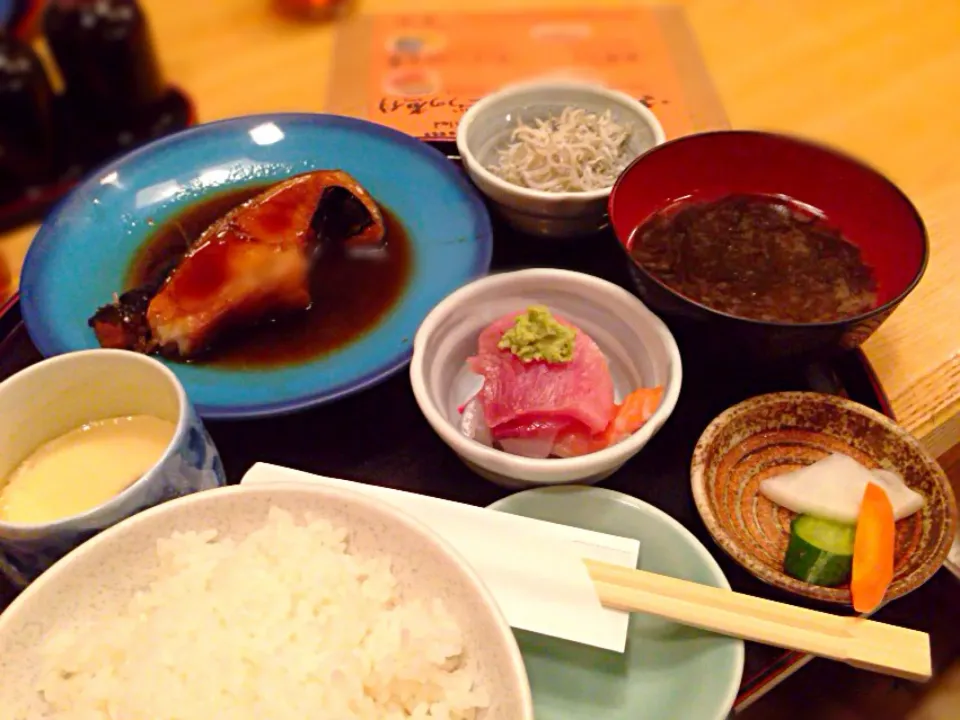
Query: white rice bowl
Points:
[208, 607]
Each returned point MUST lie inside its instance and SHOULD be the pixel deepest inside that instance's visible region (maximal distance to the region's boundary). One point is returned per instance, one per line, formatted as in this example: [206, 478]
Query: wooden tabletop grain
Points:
[877, 78]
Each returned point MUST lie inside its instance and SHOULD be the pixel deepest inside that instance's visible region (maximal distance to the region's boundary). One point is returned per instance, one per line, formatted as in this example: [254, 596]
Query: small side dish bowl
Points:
[867, 208]
[639, 348]
[776, 433]
[100, 579]
[58, 395]
[487, 125]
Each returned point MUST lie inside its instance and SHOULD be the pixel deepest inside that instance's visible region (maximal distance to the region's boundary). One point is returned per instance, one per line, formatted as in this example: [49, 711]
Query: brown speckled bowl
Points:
[771, 434]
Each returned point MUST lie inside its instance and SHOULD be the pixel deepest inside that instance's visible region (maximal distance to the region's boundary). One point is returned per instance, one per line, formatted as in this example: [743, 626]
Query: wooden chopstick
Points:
[863, 643]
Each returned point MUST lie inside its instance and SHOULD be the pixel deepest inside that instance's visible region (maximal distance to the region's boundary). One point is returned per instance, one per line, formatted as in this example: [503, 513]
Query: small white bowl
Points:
[99, 579]
[487, 125]
[639, 349]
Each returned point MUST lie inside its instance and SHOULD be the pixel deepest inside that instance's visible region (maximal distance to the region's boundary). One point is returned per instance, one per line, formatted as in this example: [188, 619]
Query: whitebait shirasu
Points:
[576, 152]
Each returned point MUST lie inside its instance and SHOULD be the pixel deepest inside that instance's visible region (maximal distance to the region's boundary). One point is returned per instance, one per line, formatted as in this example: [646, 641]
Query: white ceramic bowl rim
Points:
[611, 456]
[183, 419]
[62, 566]
[518, 90]
[701, 551]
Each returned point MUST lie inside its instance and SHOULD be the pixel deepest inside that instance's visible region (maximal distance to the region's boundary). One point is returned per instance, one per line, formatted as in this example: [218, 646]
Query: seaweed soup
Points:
[757, 256]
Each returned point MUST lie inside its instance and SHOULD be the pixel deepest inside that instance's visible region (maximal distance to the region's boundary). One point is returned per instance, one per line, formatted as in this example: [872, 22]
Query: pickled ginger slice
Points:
[832, 488]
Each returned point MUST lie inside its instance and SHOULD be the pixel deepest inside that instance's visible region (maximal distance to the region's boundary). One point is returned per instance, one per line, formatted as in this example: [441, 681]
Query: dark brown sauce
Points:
[351, 291]
[756, 256]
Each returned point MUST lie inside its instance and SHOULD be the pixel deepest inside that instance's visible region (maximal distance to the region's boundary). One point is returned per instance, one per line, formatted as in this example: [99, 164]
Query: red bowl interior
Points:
[868, 209]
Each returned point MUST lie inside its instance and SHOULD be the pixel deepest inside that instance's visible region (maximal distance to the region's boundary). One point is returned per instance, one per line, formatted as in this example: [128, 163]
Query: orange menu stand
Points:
[424, 70]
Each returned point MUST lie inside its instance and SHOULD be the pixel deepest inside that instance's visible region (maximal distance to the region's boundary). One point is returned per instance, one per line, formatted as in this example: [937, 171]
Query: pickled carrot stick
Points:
[873, 550]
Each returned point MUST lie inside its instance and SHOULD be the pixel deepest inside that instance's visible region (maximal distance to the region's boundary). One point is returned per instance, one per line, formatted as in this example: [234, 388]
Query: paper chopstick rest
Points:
[533, 568]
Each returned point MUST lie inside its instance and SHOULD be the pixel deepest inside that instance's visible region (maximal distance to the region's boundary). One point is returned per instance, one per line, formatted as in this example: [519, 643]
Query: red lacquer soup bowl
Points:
[868, 209]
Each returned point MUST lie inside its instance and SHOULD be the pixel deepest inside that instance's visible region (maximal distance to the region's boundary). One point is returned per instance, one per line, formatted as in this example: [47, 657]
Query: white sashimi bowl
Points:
[639, 349]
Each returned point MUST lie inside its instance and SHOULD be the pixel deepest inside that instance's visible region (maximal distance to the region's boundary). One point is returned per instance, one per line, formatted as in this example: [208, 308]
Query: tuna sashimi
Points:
[532, 438]
[522, 398]
[547, 390]
[529, 426]
[630, 416]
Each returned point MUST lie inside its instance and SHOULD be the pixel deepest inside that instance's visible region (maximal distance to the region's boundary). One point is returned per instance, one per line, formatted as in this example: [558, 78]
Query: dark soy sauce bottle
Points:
[106, 57]
[27, 132]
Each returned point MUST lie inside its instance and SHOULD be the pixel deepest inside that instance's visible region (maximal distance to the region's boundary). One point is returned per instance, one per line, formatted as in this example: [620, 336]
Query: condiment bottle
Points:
[106, 56]
[27, 133]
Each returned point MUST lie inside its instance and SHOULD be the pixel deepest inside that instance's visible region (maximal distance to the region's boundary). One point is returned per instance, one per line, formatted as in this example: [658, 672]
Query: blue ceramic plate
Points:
[669, 672]
[80, 255]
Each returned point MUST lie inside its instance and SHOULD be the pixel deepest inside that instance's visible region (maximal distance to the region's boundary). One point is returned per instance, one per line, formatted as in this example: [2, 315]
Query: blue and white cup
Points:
[62, 393]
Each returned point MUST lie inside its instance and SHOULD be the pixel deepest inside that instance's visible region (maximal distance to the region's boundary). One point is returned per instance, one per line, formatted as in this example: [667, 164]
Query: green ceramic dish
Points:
[669, 671]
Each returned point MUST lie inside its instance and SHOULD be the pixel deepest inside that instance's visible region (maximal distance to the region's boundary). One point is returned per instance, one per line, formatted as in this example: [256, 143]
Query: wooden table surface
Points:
[873, 77]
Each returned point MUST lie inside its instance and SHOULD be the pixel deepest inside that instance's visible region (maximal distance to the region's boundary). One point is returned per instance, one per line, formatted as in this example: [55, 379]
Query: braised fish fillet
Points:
[254, 262]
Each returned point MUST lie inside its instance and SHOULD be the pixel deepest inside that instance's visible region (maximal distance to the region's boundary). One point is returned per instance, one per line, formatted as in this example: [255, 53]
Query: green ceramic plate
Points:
[669, 671]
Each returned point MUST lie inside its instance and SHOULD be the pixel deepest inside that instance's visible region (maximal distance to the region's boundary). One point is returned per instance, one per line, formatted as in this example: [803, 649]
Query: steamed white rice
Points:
[283, 624]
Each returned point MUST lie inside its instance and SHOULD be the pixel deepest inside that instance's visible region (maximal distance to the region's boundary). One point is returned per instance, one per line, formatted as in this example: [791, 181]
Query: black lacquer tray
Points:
[380, 437]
